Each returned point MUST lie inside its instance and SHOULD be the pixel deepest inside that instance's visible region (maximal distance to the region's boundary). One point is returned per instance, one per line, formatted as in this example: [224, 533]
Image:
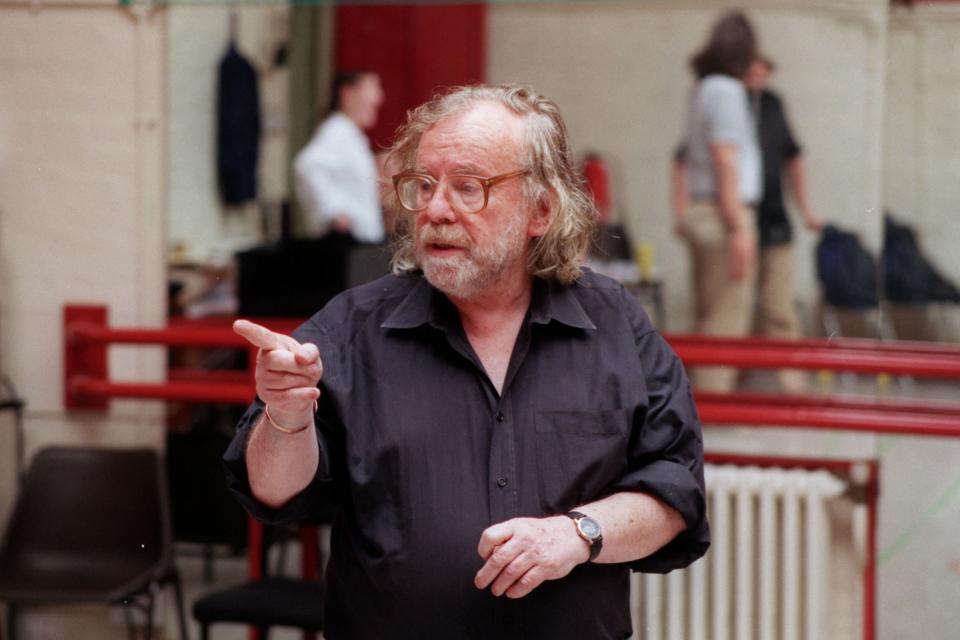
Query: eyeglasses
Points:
[466, 194]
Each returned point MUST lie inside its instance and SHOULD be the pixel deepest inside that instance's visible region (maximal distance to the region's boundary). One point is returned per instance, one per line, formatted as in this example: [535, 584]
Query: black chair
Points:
[269, 601]
[90, 526]
[10, 400]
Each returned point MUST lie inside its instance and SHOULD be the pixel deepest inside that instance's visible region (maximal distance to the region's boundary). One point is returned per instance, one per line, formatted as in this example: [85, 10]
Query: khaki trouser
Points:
[776, 315]
[724, 307]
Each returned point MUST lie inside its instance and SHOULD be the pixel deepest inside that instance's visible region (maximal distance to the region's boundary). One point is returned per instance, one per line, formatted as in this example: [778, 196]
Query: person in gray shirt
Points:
[717, 182]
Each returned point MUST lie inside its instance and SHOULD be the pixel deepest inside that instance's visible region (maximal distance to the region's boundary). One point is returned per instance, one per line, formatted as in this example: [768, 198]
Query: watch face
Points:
[589, 527]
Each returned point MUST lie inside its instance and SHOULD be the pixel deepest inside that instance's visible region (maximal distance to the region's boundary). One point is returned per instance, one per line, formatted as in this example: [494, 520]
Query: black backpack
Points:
[846, 270]
[908, 277]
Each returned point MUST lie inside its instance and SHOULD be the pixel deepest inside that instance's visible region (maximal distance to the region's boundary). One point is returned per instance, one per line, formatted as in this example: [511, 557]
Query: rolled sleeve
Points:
[315, 503]
[665, 456]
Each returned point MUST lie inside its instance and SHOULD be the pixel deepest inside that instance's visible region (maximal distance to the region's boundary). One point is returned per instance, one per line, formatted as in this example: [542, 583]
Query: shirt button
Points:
[501, 417]
[501, 482]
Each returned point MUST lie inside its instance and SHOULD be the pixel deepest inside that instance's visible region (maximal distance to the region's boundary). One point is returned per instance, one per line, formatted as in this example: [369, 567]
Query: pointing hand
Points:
[287, 373]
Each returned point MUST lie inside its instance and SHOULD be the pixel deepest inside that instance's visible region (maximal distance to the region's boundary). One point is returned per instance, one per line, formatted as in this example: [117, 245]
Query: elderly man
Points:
[505, 433]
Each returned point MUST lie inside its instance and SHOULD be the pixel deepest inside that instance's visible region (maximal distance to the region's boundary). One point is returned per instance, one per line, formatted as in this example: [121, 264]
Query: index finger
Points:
[258, 335]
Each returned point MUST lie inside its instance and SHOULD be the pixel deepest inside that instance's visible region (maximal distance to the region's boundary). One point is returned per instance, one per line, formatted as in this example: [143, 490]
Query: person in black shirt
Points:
[504, 432]
[776, 315]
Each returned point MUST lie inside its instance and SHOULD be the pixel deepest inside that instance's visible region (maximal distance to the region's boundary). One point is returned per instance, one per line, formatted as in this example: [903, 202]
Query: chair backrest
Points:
[92, 507]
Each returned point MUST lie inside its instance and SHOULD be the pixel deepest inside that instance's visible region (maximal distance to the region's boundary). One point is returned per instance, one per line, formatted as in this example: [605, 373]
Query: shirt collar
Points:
[549, 301]
[553, 301]
[422, 305]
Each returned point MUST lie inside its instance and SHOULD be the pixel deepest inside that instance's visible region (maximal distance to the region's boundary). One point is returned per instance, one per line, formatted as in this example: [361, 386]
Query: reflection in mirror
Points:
[232, 135]
[623, 87]
[223, 195]
[921, 266]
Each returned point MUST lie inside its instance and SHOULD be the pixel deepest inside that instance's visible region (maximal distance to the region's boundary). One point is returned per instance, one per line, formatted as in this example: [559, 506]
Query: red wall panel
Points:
[415, 49]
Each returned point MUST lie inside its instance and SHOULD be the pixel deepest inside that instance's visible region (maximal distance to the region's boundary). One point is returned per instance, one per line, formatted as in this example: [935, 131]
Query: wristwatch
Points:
[589, 529]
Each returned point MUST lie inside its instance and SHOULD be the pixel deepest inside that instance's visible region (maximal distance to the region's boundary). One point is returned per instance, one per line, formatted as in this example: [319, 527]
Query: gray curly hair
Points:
[559, 253]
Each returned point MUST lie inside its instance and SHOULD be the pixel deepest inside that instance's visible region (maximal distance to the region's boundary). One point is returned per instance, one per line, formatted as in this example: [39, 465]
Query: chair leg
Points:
[128, 618]
[205, 631]
[178, 595]
[148, 624]
[208, 564]
[11, 633]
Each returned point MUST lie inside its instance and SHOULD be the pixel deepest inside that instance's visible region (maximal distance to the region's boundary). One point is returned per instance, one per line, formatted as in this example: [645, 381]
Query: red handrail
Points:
[231, 393]
[177, 334]
[87, 383]
[888, 416]
[862, 356]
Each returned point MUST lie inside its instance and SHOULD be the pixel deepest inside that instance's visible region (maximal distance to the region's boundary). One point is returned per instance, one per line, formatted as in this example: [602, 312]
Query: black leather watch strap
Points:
[592, 534]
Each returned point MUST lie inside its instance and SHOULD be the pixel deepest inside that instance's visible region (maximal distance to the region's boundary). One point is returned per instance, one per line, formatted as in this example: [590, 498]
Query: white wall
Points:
[922, 126]
[81, 216]
[619, 72]
[919, 565]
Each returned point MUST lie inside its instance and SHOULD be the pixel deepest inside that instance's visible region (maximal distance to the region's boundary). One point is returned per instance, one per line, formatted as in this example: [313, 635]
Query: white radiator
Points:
[766, 574]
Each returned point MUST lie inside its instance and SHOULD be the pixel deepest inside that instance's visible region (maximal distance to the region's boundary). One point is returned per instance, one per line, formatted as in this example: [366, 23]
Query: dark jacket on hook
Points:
[238, 128]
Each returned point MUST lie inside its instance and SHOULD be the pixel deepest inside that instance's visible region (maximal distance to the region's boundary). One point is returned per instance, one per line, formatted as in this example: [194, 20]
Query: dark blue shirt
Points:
[421, 454]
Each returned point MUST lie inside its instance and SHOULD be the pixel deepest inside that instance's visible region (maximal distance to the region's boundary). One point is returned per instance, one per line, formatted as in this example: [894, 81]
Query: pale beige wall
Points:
[81, 215]
[919, 564]
[619, 72]
[921, 159]
[201, 227]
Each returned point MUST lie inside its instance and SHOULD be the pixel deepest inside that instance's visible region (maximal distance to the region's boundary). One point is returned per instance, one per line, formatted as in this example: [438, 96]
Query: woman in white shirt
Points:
[336, 175]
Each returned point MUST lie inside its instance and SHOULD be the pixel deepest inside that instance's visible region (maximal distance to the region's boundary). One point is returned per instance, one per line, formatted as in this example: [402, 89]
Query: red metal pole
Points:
[180, 337]
[925, 364]
[256, 550]
[870, 562]
[310, 559]
[849, 344]
[208, 375]
[866, 403]
[83, 358]
[234, 393]
[876, 421]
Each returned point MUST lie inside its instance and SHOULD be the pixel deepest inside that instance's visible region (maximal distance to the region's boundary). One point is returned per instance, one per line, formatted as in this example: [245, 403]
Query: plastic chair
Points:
[90, 526]
[269, 601]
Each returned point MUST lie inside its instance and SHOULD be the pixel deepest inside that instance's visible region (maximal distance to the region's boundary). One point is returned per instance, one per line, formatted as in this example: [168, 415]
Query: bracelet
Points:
[280, 427]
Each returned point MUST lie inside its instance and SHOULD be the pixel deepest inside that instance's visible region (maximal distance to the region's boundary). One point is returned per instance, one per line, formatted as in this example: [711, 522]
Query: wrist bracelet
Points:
[280, 427]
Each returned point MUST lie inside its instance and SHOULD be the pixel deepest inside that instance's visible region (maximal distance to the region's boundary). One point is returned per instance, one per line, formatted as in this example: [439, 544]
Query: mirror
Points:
[875, 135]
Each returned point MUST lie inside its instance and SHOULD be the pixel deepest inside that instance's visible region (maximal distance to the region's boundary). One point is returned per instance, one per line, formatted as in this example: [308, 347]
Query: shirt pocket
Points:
[579, 455]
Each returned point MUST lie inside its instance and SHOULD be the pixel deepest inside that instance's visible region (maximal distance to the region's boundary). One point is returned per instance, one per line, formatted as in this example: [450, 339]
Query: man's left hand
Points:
[523, 552]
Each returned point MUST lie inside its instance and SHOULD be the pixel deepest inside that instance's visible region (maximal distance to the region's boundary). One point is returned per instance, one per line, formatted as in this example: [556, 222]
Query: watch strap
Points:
[596, 544]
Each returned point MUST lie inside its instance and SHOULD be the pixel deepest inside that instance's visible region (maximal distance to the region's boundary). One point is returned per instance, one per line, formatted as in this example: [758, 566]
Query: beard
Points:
[479, 267]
